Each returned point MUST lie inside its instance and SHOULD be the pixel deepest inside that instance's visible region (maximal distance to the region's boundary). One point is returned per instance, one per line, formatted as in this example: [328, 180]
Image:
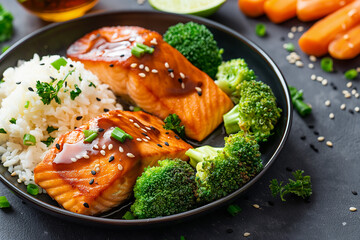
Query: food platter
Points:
[55, 39]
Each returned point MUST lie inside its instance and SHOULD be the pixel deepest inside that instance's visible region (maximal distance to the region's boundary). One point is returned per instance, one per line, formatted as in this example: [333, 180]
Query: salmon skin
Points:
[161, 83]
[90, 178]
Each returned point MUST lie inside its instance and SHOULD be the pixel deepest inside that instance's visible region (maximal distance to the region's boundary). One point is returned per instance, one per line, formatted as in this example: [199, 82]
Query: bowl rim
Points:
[57, 211]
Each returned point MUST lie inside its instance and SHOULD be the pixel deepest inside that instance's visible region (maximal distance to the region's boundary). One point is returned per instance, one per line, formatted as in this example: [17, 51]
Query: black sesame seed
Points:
[106, 110]
[91, 181]
[199, 93]
[180, 80]
[316, 133]
[314, 148]
[111, 65]
[18, 83]
[351, 111]
[79, 118]
[65, 84]
[270, 203]
[159, 145]
[86, 205]
[288, 169]
[282, 39]
[71, 65]
[354, 192]
[98, 99]
[303, 137]
[166, 143]
[144, 134]
[98, 35]
[166, 132]
[52, 78]
[57, 146]
[152, 46]
[101, 130]
[42, 64]
[311, 126]
[152, 128]
[31, 89]
[170, 70]
[122, 55]
[111, 158]
[93, 172]
[229, 230]
[177, 137]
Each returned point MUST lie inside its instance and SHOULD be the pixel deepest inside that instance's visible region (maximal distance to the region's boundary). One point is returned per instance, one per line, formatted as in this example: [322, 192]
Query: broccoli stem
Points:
[199, 154]
[231, 120]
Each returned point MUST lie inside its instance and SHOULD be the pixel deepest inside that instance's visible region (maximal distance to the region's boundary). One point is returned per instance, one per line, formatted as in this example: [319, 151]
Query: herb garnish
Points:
[75, 93]
[2, 130]
[172, 122]
[13, 120]
[50, 129]
[300, 187]
[92, 84]
[48, 141]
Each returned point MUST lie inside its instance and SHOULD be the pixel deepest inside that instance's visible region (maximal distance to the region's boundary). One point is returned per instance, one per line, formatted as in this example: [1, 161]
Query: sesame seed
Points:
[312, 58]
[137, 125]
[31, 89]
[153, 41]
[346, 36]
[98, 99]
[349, 84]
[121, 149]
[183, 85]
[291, 35]
[97, 169]
[120, 167]
[148, 137]
[106, 110]
[86, 156]
[343, 106]
[144, 134]
[300, 28]
[102, 152]
[91, 181]
[103, 147]
[13, 174]
[166, 65]
[141, 66]
[138, 139]
[299, 64]
[329, 143]
[319, 78]
[142, 75]
[73, 159]
[313, 77]
[321, 139]
[352, 12]
[182, 75]
[144, 130]
[350, 45]
[133, 65]
[170, 70]
[327, 103]
[130, 155]
[147, 69]
[357, 95]
[358, 69]
[314, 148]
[178, 138]
[293, 29]
[159, 145]
[247, 234]
[86, 205]
[101, 130]
[145, 140]
[79, 118]
[347, 95]
[353, 92]
[131, 120]
[154, 71]
[354, 192]
[148, 128]
[311, 66]
[166, 143]
[57, 146]
[256, 206]
[324, 82]
[172, 75]
[357, 109]
[331, 116]
[352, 209]
[110, 146]
[111, 65]
[93, 172]
[18, 83]
[96, 146]
[111, 158]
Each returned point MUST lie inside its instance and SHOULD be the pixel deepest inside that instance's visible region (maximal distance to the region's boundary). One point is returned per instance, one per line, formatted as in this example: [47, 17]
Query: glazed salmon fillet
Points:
[93, 177]
[160, 83]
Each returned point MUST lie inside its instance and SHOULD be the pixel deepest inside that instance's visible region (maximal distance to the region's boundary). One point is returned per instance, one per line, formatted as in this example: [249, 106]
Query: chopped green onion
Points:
[50, 129]
[146, 48]
[29, 140]
[32, 189]
[13, 120]
[351, 74]
[2, 80]
[136, 109]
[75, 93]
[128, 216]
[90, 135]
[260, 30]
[327, 64]
[234, 209]
[27, 104]
[289, 47]
[91, 84]
[2, 130]
[302, 108]
[58, 63]
[120, 135]
[5, 48]
[137, 52]
[4, 203]
[48, 141]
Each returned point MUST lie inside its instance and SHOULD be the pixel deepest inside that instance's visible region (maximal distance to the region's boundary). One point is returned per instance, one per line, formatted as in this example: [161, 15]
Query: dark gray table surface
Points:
[334, 171]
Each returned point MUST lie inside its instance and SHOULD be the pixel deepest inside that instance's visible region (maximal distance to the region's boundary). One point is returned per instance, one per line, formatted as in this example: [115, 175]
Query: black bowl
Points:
[55, 38]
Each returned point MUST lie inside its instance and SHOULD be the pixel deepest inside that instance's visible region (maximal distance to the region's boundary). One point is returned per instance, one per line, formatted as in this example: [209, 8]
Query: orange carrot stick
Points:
[280, 10]
[347, 46]
[308, 10]
[317, 39]
[252, 8]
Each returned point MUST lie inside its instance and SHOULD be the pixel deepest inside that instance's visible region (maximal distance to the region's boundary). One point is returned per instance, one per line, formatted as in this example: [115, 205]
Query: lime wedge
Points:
[201, 8]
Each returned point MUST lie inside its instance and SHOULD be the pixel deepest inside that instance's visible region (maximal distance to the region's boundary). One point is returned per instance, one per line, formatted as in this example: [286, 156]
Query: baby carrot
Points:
[309, 10]
[317, 39]
[252, 8]
[280, 10]
[346, 46]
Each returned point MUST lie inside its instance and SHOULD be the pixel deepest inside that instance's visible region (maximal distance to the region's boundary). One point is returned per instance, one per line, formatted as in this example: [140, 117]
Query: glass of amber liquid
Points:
[58, 10]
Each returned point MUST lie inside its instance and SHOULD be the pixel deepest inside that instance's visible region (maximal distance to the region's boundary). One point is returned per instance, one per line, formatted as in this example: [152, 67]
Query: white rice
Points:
[19, 158]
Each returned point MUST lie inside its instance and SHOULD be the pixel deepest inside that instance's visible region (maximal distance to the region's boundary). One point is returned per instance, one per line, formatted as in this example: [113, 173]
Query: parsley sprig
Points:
[300, 187]
[172, 122]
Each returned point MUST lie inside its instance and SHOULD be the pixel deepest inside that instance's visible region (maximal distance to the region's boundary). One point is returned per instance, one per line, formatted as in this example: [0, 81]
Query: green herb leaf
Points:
[48, 141]
[234, 209]
[6, 25]
[27, 103]
[327, 64]
[260, 30]
[12, 120]
[32, 189]
[301, 186]
[172, 122]
[2, 130]
[75, 93]
[92, 84]
[50, 129]
[59, 63]
[4, 203]
[128, 216]
[351, 74]
[120, 135]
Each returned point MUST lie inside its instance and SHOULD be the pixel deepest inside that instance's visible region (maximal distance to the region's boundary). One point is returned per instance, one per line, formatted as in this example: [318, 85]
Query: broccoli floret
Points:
[230, 74]
[165, 190]
[6, 27]
[197, 44]
[221, 171]
[256, 113]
